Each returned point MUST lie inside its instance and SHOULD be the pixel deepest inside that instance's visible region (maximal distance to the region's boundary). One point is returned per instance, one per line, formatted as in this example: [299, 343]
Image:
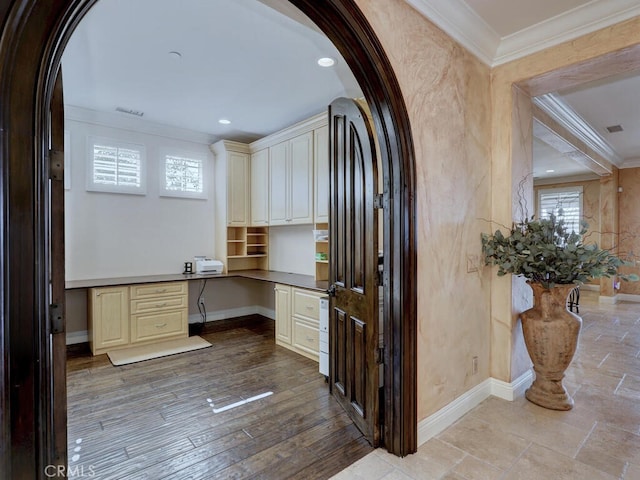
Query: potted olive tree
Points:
[554, 261]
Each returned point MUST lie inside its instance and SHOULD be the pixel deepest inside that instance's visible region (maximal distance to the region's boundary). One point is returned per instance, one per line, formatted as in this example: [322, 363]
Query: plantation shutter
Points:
[564, 203]
[116, 166]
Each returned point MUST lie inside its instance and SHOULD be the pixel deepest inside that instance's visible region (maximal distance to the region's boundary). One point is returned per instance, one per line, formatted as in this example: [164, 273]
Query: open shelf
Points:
[247, 248]
[322, 252]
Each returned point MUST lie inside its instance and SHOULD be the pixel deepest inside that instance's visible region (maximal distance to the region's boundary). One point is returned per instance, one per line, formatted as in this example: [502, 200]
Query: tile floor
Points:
[598, 439]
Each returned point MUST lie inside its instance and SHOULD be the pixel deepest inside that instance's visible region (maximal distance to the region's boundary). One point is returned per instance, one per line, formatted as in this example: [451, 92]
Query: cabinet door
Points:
[260, 188]
[321, 174]
[109, 321]
[301, 179]
[283, 314]
[238, 189]
[278, 184]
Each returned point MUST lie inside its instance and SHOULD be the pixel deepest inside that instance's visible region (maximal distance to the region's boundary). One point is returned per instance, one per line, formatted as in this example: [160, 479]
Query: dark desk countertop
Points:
[293, 279]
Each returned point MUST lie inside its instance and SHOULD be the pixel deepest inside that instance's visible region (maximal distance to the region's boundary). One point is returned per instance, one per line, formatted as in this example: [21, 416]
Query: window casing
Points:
[567, 199]
[183, 174]
[116, 167]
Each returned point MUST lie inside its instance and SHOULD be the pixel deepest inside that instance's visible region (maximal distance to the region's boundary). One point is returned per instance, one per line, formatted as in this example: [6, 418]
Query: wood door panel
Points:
[353, 231]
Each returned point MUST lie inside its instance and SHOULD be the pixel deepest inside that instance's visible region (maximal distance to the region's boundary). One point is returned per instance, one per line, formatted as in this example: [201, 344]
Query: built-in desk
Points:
[284, 278]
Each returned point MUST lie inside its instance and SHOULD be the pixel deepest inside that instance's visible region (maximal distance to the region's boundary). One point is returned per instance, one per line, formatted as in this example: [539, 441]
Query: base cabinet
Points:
[131, 315]
[297, 320]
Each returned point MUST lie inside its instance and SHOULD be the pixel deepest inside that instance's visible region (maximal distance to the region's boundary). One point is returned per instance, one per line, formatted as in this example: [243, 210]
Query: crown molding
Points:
[466, 27]
[564, 27]
[586, 177]
[561, 112]
[631, 163]
[462, 23]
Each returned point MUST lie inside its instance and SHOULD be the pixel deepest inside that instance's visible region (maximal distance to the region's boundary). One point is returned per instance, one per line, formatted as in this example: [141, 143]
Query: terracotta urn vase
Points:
[551, 336]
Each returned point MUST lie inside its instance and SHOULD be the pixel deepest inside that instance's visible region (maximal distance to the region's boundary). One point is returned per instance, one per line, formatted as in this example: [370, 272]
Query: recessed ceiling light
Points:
[550, 171]
[224, 121]
[326, 62]
[175, 55]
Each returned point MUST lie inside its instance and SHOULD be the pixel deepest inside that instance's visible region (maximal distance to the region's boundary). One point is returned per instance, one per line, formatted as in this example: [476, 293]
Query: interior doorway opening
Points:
[347, 28]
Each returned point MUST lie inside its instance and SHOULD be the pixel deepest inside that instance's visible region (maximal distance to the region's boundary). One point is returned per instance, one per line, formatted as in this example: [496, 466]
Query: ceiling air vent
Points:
[614, 128]
[129, 111]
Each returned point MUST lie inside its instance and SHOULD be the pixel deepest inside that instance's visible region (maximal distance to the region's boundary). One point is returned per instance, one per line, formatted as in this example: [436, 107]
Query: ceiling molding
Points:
[564, 27]
[560, 111]
[462, 23]
[587, 177]
[631, 163]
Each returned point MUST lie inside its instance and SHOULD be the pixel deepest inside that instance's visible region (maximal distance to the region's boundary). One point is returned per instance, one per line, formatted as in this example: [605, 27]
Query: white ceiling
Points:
[242, 60]
[254, 62]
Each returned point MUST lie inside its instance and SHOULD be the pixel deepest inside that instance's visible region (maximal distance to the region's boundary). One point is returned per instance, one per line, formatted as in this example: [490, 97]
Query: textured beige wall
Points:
[629, 201]
[608, 51]
[446, 91]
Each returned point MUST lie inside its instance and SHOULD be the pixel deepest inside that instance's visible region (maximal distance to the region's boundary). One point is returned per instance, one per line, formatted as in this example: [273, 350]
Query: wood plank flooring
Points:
[153, 420]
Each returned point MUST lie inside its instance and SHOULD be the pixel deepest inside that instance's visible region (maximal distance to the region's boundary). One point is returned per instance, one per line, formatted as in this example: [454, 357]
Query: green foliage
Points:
[544, 251]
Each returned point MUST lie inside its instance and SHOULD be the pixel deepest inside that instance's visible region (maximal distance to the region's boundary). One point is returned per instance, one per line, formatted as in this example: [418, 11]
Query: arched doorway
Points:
[34, 37]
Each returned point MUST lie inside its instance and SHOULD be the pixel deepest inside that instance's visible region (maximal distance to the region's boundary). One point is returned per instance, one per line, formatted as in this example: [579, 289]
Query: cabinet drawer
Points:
[158, 325]
[306, 303]
[305, 336]
[158, 289]
[158, 304]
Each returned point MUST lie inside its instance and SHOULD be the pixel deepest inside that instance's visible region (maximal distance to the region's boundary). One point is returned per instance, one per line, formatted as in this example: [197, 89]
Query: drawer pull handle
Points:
[309, 339]
[309, 307]
[161, 290]
[161, 325]
[160, 305]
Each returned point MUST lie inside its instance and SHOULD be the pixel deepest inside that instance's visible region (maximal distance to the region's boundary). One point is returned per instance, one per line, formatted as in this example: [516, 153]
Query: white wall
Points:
[113, 235]
[292, 249]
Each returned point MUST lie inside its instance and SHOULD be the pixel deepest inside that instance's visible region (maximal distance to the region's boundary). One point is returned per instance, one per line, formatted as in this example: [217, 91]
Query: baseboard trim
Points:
[234, 313]
[608, 300]
[77, 337]
[513, 390]
[629, 297]
[448, 415]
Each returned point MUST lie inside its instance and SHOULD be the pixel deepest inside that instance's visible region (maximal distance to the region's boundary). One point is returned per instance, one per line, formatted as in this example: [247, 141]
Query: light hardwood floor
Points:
[153, 420]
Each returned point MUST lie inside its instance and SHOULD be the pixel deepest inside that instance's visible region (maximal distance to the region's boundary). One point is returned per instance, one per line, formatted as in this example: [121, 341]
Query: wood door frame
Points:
[34, 35]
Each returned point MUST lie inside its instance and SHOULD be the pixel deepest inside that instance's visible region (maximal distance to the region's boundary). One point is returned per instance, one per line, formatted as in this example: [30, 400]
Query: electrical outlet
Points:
[472, 263]
[474, 365]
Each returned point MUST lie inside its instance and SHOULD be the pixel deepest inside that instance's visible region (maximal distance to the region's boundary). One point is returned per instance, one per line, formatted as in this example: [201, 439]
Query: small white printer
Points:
[206, 265]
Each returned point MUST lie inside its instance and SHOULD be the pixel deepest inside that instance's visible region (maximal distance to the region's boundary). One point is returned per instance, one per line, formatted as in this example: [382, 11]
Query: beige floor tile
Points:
[485, 441]
[544, 464]
[633, 472]
[472, 468]
[598, 439]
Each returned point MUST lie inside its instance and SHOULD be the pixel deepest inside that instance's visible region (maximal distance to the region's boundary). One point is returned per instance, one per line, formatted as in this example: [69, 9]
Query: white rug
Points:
[156, 350]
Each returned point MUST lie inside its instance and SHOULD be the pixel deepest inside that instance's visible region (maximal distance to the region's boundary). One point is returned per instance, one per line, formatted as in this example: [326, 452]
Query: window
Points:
[116, 167]
[183, 175]
[569, 200]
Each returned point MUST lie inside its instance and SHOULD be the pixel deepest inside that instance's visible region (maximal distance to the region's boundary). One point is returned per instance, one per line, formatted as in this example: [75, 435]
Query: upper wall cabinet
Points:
[260, 187]
[291, 181]
[233, 177]
[321, 175]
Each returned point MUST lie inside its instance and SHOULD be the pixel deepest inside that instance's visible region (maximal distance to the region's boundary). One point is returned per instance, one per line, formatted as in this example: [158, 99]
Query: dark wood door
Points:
[57, 398]
[353, 317]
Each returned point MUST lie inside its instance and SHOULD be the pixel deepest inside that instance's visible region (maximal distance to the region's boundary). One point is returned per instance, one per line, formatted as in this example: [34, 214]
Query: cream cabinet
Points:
[238, 193]
[260, 188]
[137, 314]
[297, 320]
[108, 318]
[321, 174]
[283, 315]
[291, 181]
